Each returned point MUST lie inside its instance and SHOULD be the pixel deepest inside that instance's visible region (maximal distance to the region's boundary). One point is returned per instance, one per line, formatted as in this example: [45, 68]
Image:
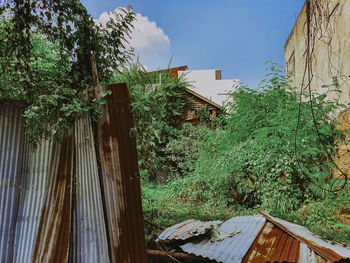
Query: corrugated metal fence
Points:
[58, 203]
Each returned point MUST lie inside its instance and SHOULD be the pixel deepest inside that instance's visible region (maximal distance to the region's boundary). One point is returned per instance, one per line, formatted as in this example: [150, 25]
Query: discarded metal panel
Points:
[38, 174]
[120, 178]
[231, 249]
[184, 230]
[273, 245]
[89, 242]
[11, 144]
[323, 248]
[53, 234]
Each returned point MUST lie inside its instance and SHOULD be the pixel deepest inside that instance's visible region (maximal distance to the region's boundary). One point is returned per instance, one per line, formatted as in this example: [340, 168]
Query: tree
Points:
[45, 49]
[157, 101]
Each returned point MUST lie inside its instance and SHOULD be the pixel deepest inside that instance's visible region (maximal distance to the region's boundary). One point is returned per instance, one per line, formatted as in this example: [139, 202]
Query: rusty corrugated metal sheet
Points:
[54, 229]
[275, 245]
[36, 201]
[231, 249]
[174, 72]
[89, 231]
[120, 178]
[325, 249]
[272, 245]
[11, 148]
[39, 167]
[184, 230]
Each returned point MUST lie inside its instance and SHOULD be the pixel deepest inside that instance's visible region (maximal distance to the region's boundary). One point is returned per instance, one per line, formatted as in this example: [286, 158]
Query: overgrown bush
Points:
[266, 155]
[181, 153]
[259, 159]
[45, 66]
[157, 102]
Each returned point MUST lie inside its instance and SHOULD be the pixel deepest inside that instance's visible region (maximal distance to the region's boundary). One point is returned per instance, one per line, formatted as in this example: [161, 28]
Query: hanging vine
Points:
[319, 29]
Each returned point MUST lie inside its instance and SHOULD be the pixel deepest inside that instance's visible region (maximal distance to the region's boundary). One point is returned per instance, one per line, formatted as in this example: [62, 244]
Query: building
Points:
[210, 85]
[323, 25]
[329, 44]
[207, 89]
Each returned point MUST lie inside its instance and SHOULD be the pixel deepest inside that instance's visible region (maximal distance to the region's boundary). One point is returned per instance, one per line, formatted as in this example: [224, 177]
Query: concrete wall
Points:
[342, 159]
[331, 57]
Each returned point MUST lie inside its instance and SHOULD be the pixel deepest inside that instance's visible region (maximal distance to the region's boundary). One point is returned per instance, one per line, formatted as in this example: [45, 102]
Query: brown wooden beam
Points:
[177, 255]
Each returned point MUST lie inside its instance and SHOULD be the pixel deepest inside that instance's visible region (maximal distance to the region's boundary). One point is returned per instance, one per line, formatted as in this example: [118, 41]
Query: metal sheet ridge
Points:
[183, 230]
[11, 152]
[325, 249]
[89, 242]
[231, 249]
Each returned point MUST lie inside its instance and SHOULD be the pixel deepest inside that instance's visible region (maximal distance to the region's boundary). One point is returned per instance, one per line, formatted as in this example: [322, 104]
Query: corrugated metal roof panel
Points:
[53, 234]
[272, 245]
[89, 231]
[36, 202]
[37, 178]
[231, 249]
[120, 178]
[183, 230]
[325, 249]
[11, 148]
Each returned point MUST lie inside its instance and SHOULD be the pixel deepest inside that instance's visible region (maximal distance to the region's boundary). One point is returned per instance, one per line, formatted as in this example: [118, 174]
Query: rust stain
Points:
[174, 72]
[53, 237]
[323, 251]
[120, 177]
[272, 244]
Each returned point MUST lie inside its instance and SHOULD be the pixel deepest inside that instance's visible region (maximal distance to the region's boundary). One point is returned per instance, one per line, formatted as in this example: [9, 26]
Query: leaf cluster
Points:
[45, 50]
[157, 101]
[259, 158]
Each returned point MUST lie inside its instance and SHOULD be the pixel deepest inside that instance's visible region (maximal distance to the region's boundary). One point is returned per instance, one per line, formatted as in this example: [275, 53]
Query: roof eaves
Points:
[203, 98]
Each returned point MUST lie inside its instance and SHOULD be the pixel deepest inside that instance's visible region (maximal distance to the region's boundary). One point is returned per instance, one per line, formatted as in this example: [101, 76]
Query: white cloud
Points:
[151, 44]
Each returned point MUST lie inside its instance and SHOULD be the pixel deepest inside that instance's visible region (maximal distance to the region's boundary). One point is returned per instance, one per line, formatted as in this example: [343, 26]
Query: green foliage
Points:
[253, 157]
[328, 217]
[157, 102]
[205, 119]
[181, 153]
[45, 50]
[251, 162]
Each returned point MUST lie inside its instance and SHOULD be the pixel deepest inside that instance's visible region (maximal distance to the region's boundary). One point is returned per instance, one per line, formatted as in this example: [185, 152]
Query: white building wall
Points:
[204, 82]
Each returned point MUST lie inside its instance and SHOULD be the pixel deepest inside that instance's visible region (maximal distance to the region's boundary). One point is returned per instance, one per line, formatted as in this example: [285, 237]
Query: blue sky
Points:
[236, 36]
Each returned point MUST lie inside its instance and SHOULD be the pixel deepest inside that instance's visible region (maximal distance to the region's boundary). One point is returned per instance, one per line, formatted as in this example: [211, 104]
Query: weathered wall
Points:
[343, 158]
[331, 54]
[330, 57]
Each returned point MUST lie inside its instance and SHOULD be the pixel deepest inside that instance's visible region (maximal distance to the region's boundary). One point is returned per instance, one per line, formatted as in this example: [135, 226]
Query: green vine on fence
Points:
[45, 49]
